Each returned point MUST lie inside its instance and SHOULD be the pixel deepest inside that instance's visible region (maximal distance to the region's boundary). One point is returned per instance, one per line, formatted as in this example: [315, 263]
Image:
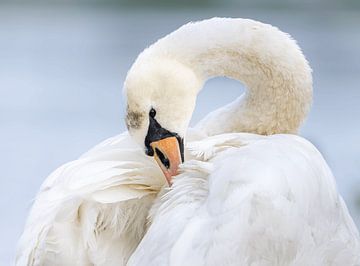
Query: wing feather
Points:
[267, 201]
[114, 172]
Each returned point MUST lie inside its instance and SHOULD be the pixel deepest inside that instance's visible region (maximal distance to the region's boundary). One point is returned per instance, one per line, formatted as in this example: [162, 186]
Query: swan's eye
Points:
[152, 113]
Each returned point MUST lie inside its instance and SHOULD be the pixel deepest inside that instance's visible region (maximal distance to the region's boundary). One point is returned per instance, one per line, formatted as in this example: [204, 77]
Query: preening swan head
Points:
[161, 97]
[162, 85]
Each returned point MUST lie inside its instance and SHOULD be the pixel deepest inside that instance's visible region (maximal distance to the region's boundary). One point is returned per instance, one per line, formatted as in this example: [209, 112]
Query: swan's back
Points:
[255, 200]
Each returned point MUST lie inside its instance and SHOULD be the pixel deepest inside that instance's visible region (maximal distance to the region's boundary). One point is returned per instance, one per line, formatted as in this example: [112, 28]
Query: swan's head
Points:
[161, 97]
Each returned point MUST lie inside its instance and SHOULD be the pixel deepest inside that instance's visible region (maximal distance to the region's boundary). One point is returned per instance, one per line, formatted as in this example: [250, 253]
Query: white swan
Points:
[241, 199]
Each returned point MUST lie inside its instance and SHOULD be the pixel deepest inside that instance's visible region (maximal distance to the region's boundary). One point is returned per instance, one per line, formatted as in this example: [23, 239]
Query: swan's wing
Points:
[115, 172]
[264, 201]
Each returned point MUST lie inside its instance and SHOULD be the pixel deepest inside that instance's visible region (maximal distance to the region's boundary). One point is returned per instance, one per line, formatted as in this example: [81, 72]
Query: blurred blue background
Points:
[62, 64]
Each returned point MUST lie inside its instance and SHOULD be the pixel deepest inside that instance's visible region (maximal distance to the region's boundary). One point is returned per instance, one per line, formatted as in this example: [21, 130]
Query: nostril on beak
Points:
[149, 151]
[164, 160]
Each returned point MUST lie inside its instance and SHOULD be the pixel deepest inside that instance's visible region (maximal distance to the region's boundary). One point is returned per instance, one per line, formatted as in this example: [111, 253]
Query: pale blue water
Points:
[61, 74]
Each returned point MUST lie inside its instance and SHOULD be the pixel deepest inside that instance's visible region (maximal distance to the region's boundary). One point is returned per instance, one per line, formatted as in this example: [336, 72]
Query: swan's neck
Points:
[278, 90]
[269, 63]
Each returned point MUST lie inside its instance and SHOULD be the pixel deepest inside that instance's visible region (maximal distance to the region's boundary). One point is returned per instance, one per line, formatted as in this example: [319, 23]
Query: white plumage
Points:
[262, 200]
[92, 211]
[240, 199]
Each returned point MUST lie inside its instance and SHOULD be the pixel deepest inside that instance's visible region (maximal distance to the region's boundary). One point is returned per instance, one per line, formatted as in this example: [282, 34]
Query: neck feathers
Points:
[268, 61]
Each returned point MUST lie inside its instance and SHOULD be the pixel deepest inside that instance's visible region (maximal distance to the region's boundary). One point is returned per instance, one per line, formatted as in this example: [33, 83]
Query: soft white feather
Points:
[92, 210]
[265, 201]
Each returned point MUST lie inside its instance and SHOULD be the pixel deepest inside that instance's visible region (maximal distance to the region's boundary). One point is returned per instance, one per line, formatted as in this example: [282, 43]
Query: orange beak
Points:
[167, 155]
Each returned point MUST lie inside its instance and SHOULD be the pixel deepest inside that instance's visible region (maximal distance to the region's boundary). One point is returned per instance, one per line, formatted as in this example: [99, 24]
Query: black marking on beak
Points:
[181, 145]
[157, 132]
[164, 160]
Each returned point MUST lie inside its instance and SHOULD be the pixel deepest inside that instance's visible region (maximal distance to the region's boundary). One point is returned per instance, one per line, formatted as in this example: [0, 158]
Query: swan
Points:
[240, 188]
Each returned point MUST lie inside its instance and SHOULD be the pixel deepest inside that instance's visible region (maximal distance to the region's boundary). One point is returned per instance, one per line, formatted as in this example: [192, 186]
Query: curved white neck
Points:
[269, 63]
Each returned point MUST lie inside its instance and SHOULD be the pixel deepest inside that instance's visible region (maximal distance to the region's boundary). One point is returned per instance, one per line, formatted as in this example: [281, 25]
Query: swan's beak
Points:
[167, 154]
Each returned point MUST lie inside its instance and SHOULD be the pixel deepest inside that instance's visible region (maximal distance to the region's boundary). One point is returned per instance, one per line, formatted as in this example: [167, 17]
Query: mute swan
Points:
[240, 198]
